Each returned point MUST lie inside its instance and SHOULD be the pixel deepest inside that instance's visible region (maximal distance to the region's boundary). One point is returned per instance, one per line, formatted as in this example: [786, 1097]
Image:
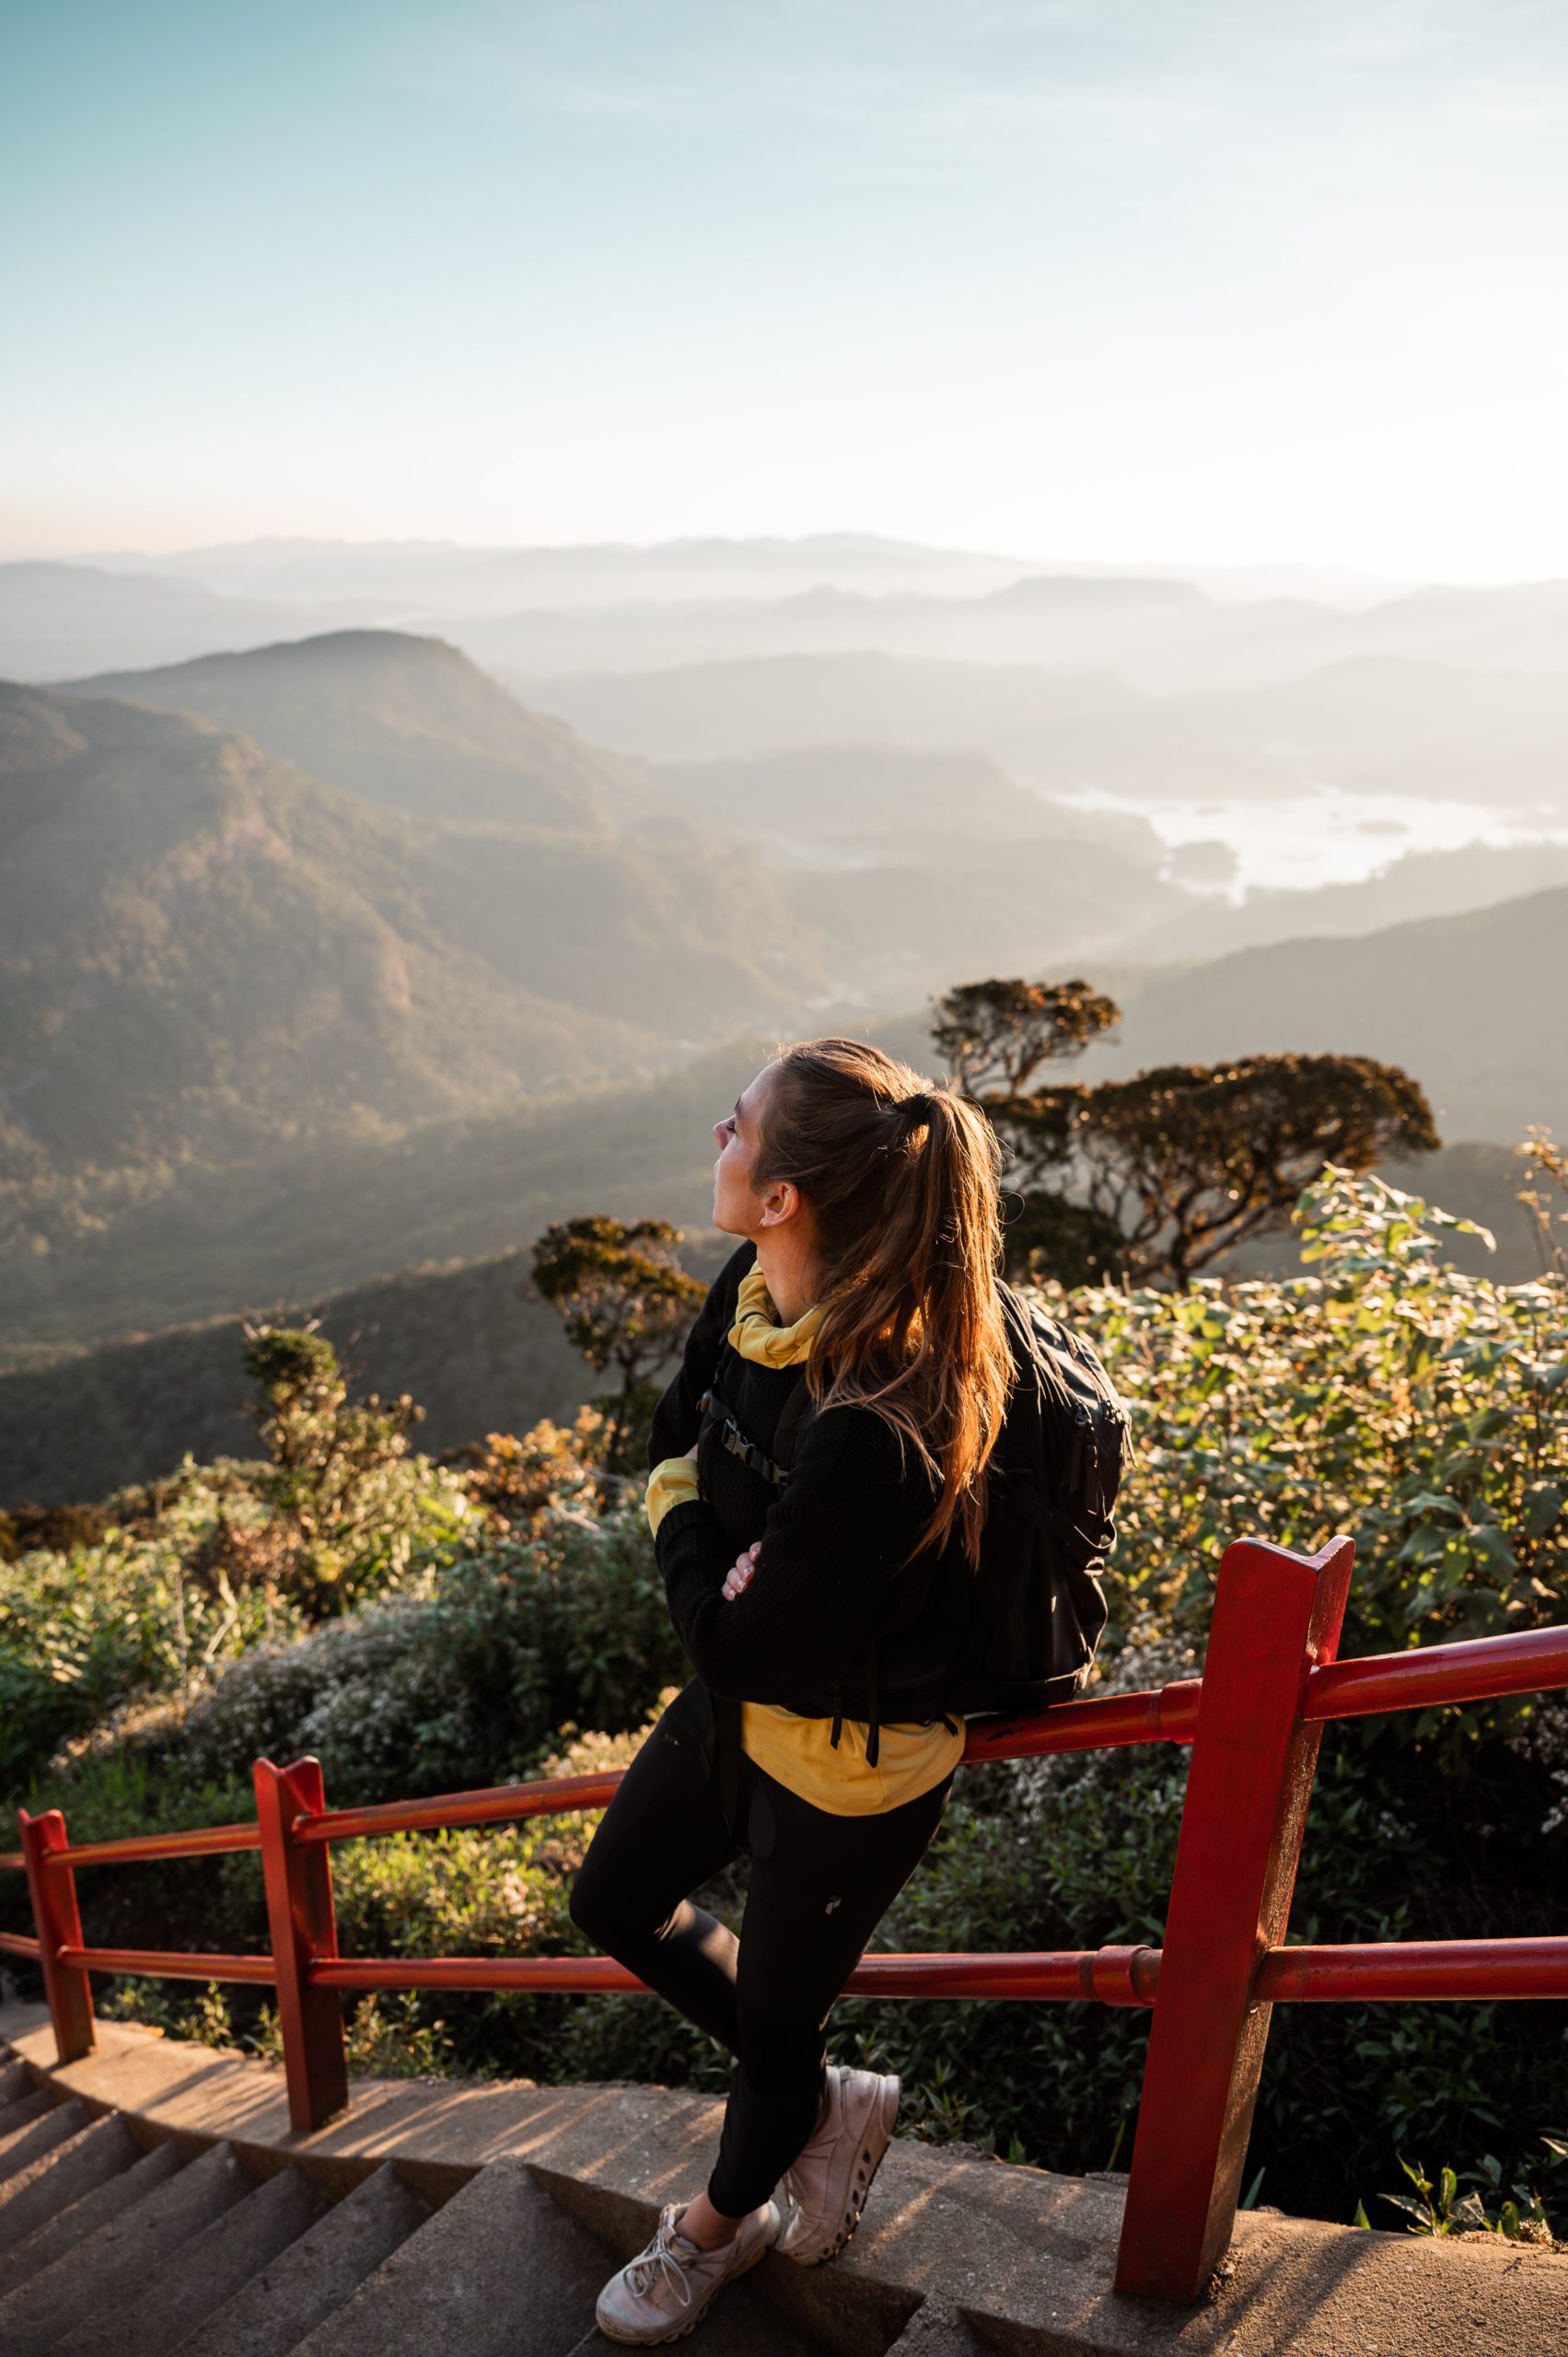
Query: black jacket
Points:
[829, 1623]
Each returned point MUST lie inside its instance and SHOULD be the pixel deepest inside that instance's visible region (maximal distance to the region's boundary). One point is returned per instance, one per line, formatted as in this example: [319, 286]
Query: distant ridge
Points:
[402, 721]
[1470, 1004]
[56, 618]
[1050, 590]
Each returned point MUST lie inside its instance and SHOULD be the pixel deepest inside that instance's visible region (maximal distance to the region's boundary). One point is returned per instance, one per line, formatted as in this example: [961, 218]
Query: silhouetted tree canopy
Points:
[994, 1035]
[1160, 1176]
[1187, 1161]
[622, 1296]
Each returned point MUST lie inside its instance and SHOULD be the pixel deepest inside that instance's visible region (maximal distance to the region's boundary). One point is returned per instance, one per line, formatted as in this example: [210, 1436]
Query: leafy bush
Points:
[1421, 1409]
[84, 1631]
[464, 1680]
[164, 1601]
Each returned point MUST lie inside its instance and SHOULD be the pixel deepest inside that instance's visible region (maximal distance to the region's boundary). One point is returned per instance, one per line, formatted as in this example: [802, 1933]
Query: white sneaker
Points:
[831, 2178]
[667, 2289]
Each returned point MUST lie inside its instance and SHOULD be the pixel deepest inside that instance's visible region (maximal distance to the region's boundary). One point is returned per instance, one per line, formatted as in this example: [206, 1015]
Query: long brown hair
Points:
[902, 1180]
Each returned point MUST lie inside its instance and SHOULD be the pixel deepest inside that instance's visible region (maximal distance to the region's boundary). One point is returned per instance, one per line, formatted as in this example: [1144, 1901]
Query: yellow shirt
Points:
[797, 1751]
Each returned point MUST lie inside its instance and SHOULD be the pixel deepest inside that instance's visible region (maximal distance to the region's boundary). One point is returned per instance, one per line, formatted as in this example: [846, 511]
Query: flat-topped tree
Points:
[623, 1297]
[1189, 1160]
[1160, 1176]
[994, 1035]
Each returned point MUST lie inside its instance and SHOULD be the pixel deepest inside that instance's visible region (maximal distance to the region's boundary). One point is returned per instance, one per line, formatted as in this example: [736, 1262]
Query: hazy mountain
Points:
[1387, 723]
[957, 910]
[203, 949]
[1031, 721]
[309, 1214]
[467, 1343]
[1381, 725]
[400, 721]
[390, 715]
[200, 947]
[217, 972]
[1470, 1004]
[835, 793]
[56, 619]
[1063, 622]
[1521, 627]
[415, 571]
[1418, 883]
[428, 576]
[1162, 636]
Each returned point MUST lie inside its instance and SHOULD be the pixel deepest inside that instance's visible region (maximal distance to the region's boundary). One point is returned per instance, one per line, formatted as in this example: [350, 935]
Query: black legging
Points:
[819, 1885]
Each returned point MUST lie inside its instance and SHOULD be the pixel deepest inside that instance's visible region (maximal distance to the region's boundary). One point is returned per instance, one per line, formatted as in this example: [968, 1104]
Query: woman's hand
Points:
[737, 1579]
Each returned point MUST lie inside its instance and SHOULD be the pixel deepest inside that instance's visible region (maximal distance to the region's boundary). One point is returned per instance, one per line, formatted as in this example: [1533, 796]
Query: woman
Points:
[817, 1544]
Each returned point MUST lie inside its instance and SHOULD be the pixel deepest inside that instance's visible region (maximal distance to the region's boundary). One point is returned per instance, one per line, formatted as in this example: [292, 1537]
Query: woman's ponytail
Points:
[902, 1179]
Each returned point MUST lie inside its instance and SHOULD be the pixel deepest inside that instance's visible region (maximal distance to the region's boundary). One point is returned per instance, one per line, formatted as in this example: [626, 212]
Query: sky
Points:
[1226, 281]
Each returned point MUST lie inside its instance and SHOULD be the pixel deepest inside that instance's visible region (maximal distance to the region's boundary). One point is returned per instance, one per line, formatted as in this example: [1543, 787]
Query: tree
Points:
[336, 1477]
[1187, 1161]
[623, 1297]
[1158, 1175]
[994, 1035]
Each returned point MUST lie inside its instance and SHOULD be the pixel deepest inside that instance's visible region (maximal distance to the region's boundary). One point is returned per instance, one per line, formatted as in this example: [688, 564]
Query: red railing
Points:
[1254, 1719]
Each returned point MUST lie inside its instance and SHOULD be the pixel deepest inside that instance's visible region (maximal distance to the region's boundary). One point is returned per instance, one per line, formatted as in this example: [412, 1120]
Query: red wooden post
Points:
[300, 1915]
[59, 1925]
[1276, 1615]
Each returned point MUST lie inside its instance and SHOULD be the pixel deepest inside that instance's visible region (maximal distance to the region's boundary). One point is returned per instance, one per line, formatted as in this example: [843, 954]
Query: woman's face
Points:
[736, 1210]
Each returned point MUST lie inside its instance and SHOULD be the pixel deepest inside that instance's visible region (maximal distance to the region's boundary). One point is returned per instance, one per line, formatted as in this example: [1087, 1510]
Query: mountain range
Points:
[217, 962]
[332, 957]
[1371, 725]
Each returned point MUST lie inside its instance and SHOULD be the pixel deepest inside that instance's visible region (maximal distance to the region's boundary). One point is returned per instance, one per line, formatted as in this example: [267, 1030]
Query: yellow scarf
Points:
[757, 1333]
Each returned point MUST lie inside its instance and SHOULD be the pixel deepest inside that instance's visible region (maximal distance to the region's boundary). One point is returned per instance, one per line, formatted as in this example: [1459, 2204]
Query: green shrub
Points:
[1423, 1410]
[164, 1601]
[463, 1681]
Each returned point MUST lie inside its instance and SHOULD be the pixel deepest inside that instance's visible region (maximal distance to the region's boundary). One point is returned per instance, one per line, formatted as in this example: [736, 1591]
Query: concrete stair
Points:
[155, 2201]
[110, 2248]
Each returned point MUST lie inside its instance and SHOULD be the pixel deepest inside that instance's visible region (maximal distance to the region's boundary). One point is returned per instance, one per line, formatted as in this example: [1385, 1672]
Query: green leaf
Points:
[1543, 1503]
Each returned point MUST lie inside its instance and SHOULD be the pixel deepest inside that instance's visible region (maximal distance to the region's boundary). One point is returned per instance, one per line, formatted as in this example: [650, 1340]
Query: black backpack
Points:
[1055, 1475]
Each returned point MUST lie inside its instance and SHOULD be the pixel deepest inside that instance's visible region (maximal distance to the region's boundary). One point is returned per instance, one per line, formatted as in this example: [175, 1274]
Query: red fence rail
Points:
[1254, 1719]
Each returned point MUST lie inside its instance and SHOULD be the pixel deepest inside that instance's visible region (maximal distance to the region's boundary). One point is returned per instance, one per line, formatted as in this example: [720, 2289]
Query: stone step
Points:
[741, 2324]
[99, 2150]
[936, 2329]
[313, 2278]
[17, 2118]
[67, 2229]
[53, 2125]
[16, 2079]
[499, 2272]
[503, 2272]
[208, 2270]
[116, 2263]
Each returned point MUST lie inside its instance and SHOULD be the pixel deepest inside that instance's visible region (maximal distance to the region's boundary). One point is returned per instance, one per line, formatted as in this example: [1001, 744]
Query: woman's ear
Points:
[781, 1202]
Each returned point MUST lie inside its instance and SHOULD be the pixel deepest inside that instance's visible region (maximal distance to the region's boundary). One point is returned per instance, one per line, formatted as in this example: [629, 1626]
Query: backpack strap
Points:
[799, 1409]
